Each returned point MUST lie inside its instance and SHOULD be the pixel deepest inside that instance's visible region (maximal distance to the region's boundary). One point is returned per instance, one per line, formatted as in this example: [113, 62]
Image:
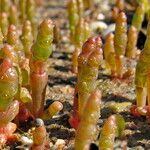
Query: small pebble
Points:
[98, 25]
[26, 141]
[100, 16]
[60, 142]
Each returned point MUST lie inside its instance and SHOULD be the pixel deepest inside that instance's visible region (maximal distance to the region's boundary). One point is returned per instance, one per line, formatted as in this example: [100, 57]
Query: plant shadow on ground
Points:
[53, 80]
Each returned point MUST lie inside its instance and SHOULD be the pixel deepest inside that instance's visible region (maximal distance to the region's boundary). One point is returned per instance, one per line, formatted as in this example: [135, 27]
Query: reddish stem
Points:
[38, 87]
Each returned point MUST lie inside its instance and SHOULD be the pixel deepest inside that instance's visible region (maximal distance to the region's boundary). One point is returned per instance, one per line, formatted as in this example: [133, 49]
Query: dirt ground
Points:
[61, 85]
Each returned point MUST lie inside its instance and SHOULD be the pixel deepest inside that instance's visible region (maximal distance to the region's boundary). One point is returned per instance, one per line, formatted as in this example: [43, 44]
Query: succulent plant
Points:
[91, 113]
[112, 128]
[41, 50]
[131, 43]
[88, 66]
[120, 41]
[142, 79]
[73, 17]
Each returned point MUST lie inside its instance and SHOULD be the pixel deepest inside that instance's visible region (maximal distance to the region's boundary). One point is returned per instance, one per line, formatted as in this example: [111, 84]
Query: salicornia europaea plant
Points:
[131, 48]
[73, 17]
[119, 45]
[8, 51]
[88, 66]
[82, 32]
[16, 80]
[13, 39]
[138, 17]
[31, 15]
[52, 110]
[27, 41]
[120, 40]
[146, 5]
[39, 135]
[142, 78]
[22, 93]
[91, 114]
[6, 133]
[10, 76]
[113, 127]
[109, 53]
[41, 50]
[9, 107]
[27, 38]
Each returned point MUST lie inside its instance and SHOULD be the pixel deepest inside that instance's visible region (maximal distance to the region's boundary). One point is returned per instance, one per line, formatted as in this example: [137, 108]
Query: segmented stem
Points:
[86, 131]
[88, 66]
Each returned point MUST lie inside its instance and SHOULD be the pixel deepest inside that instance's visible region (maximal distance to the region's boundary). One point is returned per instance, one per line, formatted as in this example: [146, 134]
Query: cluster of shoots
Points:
[84, 136]
[123, 43]
[112, 128]
[118, 47]
[23, 67]
[115, 46]
[142, 80]
[87, 102]
[88, 66]
[9, 14]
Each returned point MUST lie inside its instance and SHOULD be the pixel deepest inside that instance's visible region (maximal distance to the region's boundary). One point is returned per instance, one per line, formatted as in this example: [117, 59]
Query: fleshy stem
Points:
[138, 17]
[39, 135]
[88, 66]
[120, 40]
[41, 51]
[86, 131]
[131, 43]
[27, 38]
[82, 32]
[113, 127]
[9, 107]
[31, 15]
[109, 53]
[142, 78]
[73, 17]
